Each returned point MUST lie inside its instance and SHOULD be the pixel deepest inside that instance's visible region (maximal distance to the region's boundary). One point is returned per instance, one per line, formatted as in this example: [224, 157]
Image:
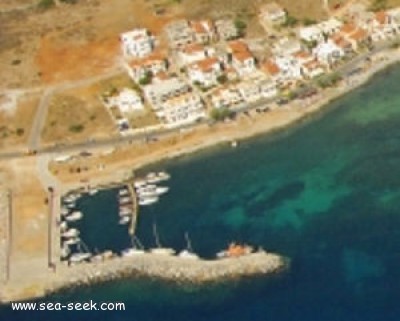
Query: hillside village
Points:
[209, 68]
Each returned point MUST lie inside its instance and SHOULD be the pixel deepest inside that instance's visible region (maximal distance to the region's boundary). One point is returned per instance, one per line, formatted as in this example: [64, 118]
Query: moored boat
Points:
[144, 201]
[74, 216]
[185, 254]
[132, 251]
[124, 220]
[72, 241]
[71, 233]
[163, 251]
[157, 177]
[79, 257]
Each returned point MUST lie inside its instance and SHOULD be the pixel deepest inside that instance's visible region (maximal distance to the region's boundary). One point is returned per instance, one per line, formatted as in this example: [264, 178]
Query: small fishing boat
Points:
[72, 241]
[71, 233]
[65, 251]
[93, 191]
[74, 216]
[132, 251]
[144, 201]
[124, 220]
[123, 211]
[125, 200]
[70, 205]
[161, 190]
[63, 226]
[152, 190]
[79, 257]
[64, 211]
[123, 192]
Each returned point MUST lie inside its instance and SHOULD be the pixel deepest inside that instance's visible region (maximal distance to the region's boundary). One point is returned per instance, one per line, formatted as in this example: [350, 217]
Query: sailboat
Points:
[134, 250]
[159, 249]
[188, 252]
[81, 256]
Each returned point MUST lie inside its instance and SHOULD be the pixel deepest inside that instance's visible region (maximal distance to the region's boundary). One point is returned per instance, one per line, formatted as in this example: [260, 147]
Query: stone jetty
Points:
[164, 267]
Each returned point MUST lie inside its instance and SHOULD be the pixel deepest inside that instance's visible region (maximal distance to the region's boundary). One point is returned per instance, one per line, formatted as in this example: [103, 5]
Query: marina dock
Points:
[135, 209]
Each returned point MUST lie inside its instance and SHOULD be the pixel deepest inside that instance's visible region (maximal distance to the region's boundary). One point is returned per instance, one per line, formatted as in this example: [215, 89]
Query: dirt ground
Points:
[29, 209]
[15, 125]
[74, 41]
[77, 115]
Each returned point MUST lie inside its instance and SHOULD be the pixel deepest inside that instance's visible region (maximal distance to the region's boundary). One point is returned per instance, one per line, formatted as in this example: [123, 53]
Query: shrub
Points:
[290, 21]
[20, 131]
[76, 128]
[219, 114]
[46, 4]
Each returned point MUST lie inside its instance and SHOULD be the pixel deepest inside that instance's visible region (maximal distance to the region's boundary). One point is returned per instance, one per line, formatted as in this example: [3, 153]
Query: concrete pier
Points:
[164, 267]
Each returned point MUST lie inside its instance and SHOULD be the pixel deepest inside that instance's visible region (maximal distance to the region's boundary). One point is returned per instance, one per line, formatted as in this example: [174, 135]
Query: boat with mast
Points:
[188, 252]
[159, 249]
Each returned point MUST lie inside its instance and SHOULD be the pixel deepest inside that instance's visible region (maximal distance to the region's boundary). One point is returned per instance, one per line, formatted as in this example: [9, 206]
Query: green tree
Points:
[222, 79]
[76, 128]
[309, 22]
[219, 114]
[240, 26]
[290, 21]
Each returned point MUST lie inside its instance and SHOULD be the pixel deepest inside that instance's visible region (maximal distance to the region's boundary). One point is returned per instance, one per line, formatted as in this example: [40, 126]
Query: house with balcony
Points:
[140, 68]
[182, 109]
[137, 43]
[241, 58]
[205, 72]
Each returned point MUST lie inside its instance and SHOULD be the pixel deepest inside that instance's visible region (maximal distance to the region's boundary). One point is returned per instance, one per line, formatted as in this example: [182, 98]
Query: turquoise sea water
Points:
[326, 194]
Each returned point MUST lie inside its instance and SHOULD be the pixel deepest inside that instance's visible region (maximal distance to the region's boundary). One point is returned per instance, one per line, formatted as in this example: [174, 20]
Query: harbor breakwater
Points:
[160, 266]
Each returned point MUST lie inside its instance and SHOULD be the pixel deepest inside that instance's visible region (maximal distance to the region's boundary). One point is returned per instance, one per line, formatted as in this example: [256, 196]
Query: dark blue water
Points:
[326, 194]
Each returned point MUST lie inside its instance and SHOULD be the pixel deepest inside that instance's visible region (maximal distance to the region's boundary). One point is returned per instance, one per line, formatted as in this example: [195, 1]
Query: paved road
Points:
[41, 113]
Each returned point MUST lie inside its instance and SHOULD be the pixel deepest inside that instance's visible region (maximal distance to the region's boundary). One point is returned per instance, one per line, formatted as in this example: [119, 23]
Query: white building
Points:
[126, 101]
[311, 33]
[329, 27]
[137, 43]
[183, 109]
[157, 94]
[205, 71]
[242, 59]
[268, 88]
[226, 97]
[139, 68]
[249, 91]
[328, 52]
[272, 13]
[226, 29]
[286, 46]
[179, 33]
[194, 52]
[203, 31]
[290, 68]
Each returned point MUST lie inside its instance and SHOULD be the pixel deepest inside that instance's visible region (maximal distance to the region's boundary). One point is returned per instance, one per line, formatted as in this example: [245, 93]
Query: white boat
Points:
[161, 190]
[93, 191]
[123, 192]
[74, 216]
[64, 211]
[125, 211]
[139, 183]
[125, 200]
[79, 257]
[132, 251]
[157, 177]
[65, 251]
[70, 205]
[163, 251]
[143, 201]
[124, 220]
[185, 254]
[63, 226]
[152, 190]
[72, 241]
[73, 232]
